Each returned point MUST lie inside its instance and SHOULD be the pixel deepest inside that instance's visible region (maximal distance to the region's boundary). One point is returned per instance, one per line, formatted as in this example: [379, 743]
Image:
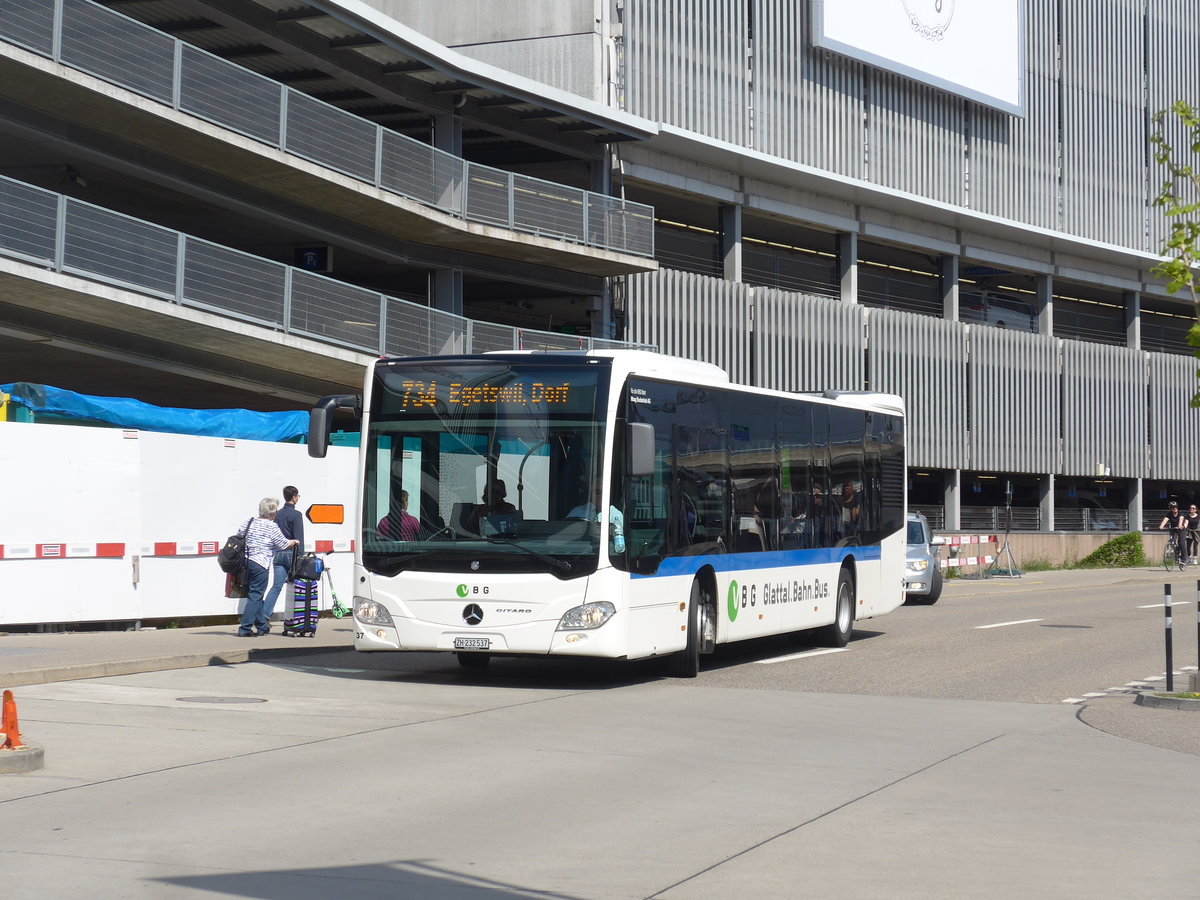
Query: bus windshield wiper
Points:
[554, 562]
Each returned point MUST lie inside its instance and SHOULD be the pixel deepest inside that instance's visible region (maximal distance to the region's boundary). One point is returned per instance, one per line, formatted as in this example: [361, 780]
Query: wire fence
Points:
[67, 235]
[113, 47]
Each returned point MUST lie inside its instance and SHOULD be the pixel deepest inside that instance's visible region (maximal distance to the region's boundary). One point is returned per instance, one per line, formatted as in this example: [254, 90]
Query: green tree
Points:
[1179, 199]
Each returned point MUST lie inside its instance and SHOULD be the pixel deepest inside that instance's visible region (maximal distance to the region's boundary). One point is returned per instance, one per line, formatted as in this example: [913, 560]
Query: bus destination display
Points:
[416, 394]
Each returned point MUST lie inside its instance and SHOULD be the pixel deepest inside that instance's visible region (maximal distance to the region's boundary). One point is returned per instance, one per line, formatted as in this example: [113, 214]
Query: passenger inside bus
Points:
[399, 524]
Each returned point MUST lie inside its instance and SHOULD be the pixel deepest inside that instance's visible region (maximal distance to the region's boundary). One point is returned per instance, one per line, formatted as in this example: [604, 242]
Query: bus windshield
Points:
[482, 465]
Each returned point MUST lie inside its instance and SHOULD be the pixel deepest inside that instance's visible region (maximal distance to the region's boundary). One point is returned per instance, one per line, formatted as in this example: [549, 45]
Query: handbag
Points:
[236, 587]
[306, 567]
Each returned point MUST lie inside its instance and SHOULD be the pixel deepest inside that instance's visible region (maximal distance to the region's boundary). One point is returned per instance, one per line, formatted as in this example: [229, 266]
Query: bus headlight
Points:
[917, 565]
[371, 613]
[590, 615]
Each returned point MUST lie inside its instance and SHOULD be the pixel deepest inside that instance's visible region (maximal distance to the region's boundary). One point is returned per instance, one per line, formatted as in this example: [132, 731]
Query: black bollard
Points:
[1167, 623]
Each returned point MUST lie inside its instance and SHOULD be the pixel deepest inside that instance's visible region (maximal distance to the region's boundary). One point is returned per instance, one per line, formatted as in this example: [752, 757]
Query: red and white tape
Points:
[62, 551]
[957, 540]
[211, 548]
[157, 549]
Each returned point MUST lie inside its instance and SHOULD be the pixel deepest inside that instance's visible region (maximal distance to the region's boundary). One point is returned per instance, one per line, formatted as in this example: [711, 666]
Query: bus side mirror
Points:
[641, 449]
[320, 421]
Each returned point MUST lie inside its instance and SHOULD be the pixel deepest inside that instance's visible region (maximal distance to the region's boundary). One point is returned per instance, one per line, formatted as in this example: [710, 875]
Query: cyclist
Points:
[1174, 521]
[1191, 521]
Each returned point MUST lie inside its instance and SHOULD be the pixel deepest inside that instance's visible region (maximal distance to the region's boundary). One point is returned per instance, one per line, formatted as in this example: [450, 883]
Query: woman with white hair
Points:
[263, 538]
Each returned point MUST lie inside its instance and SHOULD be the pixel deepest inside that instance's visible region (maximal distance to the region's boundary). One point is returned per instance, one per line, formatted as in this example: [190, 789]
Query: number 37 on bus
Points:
[615, 504]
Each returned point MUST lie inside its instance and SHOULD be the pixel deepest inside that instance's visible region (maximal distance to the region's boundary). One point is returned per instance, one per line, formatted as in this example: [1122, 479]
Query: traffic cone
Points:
[8, 724]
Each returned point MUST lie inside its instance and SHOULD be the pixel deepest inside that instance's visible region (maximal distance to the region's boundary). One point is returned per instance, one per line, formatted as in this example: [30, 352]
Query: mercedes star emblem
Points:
[472, 614]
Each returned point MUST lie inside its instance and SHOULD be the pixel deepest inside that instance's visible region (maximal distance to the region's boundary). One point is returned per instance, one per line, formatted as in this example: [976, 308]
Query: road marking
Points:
[1161, 605]
[1002, 624]
[1132, 687]
[791, 656]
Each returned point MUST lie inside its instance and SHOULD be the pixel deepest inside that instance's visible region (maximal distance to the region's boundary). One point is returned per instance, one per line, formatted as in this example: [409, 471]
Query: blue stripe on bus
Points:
[778, 559]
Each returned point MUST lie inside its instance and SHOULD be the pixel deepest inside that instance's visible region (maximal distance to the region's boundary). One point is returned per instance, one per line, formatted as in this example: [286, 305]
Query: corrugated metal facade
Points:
[698, 317]
[1013, 383]
[686, 63]
[748, 73]
[1174, 432]
[979, 397]
[807, 343]
[922, 359]
[1104, 410]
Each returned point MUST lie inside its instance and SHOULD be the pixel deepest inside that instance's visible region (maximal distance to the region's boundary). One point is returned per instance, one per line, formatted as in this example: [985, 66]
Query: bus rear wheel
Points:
[686, 663]
[838, 634]
[474, 660]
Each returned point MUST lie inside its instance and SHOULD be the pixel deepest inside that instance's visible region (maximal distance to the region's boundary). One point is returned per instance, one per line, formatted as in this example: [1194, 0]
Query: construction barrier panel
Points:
[106, 524]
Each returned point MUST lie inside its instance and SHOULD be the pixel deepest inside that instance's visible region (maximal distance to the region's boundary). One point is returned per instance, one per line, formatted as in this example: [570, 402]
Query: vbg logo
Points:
[733, 600]
[464, 590]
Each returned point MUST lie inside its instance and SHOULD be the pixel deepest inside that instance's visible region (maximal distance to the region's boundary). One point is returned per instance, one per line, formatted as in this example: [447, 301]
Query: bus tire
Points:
[474, 660]
[838, 634]
[686, 663]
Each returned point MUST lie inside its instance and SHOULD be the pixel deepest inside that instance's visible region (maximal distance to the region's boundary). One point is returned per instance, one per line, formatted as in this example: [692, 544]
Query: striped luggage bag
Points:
[303, 622]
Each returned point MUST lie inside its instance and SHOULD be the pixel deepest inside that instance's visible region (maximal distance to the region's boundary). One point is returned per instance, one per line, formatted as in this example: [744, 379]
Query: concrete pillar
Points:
[601, 172]
[950, 288]
[446, 290]
[847, 256]
[1046, 502]
[447, 133]
[1133, 320]
[1045, 304]
[601, 314]
[731, 241]
[1135, 505]
[953, 501]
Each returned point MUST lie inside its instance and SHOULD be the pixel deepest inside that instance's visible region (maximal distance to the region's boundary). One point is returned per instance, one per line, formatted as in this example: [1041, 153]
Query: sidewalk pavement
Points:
[68, 655]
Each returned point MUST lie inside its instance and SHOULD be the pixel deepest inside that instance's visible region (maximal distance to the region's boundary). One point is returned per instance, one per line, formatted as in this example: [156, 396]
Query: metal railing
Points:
[1115, 521]
[122, 51]
[994, 519]
[67, 235]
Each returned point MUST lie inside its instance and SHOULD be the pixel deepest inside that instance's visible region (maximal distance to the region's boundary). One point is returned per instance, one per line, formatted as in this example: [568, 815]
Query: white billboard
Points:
[974, 48]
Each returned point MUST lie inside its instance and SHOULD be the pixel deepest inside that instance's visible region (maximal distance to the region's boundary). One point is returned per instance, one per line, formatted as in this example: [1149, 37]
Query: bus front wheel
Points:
[686, 663]
[838, 634]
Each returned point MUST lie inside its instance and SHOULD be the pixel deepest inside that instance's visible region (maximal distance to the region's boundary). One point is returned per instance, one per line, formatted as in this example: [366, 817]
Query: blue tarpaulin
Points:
[125, 412]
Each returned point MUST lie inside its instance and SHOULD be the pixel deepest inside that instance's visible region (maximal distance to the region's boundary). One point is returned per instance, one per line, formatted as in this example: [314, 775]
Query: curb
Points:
[158, 664]
[1157, 702]
[26, 759]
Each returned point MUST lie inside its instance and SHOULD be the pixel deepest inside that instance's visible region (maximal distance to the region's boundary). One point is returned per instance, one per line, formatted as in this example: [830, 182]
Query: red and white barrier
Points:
[122, 499]
[969, 541]
[62, 551]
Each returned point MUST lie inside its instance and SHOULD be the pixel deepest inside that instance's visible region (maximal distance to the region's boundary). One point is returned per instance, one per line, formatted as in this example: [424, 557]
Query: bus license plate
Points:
[472, 643]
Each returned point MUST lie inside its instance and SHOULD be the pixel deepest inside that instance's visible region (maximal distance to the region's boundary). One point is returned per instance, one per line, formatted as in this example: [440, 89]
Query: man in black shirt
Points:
[291, 523]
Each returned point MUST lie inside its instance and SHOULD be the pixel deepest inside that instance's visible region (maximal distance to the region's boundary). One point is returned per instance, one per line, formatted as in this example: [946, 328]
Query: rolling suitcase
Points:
[306, 584]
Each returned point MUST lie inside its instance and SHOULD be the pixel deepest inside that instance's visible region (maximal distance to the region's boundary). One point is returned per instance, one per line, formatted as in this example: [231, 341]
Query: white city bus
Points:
[637, 505]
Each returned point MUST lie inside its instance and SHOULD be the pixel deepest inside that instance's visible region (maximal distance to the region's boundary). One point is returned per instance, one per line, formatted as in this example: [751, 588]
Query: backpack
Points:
[232, 557]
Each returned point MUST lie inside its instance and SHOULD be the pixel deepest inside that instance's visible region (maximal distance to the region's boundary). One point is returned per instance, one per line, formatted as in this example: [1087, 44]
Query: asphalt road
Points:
[1042, 638]
[935, 757]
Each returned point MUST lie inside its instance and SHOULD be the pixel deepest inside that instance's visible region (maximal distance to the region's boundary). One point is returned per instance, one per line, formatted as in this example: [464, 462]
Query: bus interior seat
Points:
[459, 514]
